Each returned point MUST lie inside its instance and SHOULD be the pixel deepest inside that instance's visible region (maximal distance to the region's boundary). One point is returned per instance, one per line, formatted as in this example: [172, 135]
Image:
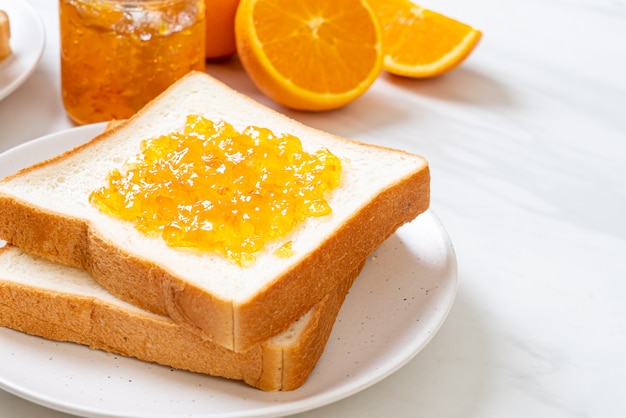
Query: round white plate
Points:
[392, 311]
[27, 44]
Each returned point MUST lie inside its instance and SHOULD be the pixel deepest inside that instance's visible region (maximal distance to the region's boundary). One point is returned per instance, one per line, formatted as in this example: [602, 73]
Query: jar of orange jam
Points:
[117, 55]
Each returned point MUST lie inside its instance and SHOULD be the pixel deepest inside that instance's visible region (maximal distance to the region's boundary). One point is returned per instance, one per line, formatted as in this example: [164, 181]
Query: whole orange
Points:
[220, 28]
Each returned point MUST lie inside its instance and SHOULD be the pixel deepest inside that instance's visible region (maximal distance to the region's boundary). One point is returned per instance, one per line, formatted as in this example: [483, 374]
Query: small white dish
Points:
[27, 45]
[395, 307]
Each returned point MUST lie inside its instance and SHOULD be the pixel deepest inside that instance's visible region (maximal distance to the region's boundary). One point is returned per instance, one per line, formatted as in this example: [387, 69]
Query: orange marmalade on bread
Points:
[211, 187]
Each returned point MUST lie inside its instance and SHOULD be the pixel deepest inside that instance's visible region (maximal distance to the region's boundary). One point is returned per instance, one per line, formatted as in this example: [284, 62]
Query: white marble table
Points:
[527, 146]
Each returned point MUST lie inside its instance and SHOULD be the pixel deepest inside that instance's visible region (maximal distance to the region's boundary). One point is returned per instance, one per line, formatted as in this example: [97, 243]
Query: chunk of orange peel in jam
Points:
[213, 188]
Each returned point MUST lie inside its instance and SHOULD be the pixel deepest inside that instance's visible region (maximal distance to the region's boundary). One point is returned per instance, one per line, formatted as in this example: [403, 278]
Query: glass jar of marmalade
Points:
[117, 55]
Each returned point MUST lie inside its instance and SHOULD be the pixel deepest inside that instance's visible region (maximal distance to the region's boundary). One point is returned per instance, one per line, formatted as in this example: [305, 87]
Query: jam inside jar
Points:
[117, 55]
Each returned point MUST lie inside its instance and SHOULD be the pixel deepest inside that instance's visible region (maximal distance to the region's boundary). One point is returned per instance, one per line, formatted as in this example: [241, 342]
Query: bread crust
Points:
[275, 364]
[339, 253]
[71, 241]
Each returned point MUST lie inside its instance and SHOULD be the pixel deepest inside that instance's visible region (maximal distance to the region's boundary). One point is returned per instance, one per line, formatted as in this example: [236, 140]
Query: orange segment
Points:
[418, 42]
[309, 54]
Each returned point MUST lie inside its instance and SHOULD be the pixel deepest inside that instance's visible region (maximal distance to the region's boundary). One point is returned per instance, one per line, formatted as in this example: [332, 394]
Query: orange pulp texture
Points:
[214, 188]
[309, 54]
[418, 42]
[112, 64]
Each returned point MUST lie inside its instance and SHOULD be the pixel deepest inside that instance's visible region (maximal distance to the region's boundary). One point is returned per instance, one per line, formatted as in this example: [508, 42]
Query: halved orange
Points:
[309, 54]
[418, 42]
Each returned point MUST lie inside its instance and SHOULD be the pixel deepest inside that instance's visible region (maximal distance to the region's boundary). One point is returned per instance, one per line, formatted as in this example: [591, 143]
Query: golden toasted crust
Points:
[297, 360]
[276, 364]
[69, 241]
[61, 238]
[340, 253]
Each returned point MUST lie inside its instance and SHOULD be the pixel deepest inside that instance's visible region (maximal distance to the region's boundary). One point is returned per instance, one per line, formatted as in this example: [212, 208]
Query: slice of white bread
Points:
[44, 210]
[63, 303]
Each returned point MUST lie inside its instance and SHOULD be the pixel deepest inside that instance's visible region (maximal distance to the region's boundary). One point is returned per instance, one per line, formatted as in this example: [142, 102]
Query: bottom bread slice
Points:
[61, 303]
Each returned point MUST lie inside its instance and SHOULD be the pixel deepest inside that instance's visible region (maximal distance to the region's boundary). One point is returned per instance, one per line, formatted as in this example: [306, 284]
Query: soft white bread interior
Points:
[62, 303]
[45, 210]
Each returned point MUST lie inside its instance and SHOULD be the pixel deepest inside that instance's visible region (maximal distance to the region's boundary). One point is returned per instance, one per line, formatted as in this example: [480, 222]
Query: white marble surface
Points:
[527, 146]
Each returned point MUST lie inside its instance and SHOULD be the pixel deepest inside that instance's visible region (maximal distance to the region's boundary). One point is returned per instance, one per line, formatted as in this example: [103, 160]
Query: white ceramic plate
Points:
[393, 310]
[27, 43]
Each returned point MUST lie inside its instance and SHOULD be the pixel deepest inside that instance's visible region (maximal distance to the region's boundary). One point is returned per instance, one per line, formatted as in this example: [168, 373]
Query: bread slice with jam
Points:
[63, 303]
[46, 210]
